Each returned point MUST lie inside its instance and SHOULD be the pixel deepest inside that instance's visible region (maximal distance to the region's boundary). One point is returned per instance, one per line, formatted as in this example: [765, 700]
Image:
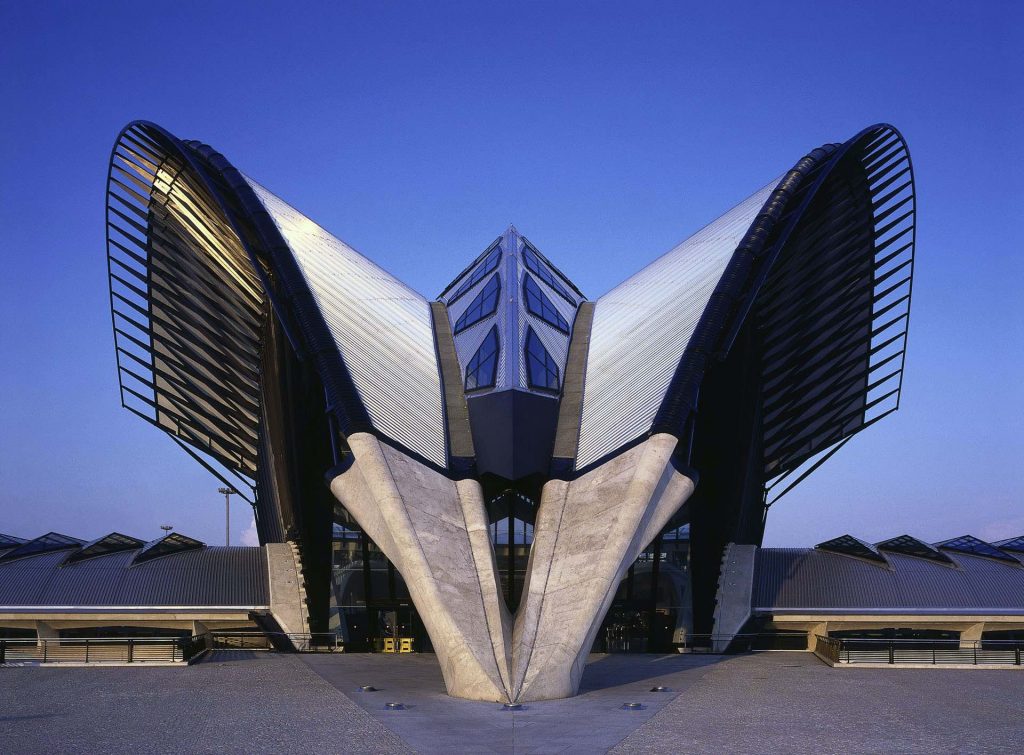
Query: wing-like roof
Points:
[381, 328]
[642, 326]
[816, 266]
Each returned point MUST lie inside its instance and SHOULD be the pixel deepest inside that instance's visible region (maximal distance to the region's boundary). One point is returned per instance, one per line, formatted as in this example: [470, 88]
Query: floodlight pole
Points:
[228, 492]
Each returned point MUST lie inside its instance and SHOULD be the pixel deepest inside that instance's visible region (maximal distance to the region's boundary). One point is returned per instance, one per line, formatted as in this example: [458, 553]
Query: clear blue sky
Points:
[606, 132]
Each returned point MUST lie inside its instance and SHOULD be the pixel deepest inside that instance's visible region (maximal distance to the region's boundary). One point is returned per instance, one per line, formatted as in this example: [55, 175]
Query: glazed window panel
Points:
[483, 367]
[490, 263]
[539, 305]
[484, 305]
[534, 265]
[541, 369]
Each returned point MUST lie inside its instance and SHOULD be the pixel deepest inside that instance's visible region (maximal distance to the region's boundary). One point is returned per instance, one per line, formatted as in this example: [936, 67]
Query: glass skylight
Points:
[173, 543]
[848, 545]
[51, 541]
[112, 543]
[974, 546]
[911, 546]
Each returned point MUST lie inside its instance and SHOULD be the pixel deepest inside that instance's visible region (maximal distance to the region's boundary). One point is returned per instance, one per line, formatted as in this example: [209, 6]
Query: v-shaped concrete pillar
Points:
[588, 531]
[434, 530]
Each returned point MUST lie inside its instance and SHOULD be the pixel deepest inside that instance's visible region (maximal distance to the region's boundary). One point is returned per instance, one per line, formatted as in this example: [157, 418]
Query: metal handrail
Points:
[934, 652]
[92, 650]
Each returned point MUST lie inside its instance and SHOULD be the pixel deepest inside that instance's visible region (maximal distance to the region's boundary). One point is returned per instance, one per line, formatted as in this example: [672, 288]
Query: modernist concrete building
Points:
[520, 458]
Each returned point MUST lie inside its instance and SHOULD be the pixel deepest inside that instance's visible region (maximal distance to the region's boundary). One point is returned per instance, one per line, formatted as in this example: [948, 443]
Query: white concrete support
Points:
[287, 594]
[588, 531]
[735, 588]
[971, 634]
[435, 532]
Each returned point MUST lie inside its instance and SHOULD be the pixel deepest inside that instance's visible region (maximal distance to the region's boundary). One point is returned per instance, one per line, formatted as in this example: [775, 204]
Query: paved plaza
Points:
[247, 702]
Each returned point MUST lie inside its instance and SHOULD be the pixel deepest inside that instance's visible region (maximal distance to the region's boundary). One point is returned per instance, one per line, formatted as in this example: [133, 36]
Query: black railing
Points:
[741, 643]
[937, 652]
[94, 650]
[98, 650]
[302, 642]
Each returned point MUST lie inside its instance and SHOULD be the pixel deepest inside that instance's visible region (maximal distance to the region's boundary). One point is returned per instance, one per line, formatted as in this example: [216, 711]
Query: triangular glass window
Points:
[489, 263]
[51, 541]
[1012, 544]
[540, 305]
[101, 546]
[911, 546]
[482, 306]
[974, 546]
[848, 545]
[483, 367]
[541, 369]
[173, 543]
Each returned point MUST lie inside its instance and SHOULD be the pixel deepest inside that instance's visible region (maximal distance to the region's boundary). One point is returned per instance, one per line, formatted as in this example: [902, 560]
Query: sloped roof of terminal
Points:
[116, 570]
[847, 575]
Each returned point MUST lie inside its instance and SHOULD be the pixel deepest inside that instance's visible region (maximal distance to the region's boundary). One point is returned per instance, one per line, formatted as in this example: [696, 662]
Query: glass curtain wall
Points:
[371, 610]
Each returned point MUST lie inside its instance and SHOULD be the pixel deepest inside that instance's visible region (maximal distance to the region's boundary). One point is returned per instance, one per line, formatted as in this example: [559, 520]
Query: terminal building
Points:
[505, 470]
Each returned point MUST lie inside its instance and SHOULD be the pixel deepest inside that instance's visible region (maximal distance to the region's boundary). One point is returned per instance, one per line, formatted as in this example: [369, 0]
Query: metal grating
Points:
[186, 306]
[835, 309]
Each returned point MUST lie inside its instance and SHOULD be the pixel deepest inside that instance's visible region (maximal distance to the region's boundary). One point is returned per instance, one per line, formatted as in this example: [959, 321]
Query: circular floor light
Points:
[394, 706]
[632, 706]
[367, 688]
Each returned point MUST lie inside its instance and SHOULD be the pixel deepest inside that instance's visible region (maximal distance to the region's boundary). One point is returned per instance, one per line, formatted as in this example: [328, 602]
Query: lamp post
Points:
[166, 528]
[228, 492]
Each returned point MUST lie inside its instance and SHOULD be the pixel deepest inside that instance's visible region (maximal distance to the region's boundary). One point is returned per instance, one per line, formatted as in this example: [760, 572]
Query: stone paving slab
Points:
[255, 702]
[793, 703]
[591, 722]
[232, 702]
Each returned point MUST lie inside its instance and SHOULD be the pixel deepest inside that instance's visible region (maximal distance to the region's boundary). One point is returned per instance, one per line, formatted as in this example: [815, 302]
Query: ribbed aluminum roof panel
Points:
[382, 329]
[210, 576]
[797, 579]
[642, 326]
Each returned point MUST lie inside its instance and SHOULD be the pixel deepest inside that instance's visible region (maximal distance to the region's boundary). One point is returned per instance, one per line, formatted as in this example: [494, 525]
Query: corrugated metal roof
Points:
[809, 580]
[382, 329]
[642, 326]
[208, 576]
